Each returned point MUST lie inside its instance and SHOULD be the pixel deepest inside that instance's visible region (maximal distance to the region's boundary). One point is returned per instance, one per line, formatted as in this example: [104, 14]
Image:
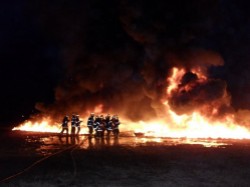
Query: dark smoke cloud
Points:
[194, 93]
[119, 53]
[211, 93]
[194, 58]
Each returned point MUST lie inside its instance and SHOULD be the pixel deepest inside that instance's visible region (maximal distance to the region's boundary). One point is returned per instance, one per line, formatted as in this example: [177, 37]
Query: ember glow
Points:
[188, 125]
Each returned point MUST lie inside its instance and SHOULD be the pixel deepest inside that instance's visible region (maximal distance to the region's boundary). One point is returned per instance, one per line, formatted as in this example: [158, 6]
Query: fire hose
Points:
[73, 147]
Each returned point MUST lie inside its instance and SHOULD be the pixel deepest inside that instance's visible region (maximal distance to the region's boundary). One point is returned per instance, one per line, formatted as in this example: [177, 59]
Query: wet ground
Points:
[43, 159]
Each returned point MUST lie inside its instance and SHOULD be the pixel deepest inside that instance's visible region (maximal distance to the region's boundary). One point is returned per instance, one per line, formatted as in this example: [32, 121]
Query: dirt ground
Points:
[50, 160]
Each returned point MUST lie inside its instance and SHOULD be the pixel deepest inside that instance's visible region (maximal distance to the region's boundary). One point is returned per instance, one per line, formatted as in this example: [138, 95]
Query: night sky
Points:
[60, 55]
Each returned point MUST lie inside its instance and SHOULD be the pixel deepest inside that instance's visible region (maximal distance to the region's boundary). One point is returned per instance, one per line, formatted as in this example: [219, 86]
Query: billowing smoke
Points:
[108, 81]
[196, 90]
[117, 56]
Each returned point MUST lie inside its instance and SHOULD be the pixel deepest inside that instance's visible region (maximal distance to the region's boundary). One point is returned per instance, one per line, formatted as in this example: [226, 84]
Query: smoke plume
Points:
[117, 56]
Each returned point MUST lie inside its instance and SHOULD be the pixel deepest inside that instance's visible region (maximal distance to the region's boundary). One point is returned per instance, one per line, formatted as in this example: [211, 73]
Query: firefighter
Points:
[96, 122]
[77, 124]
[115, 123]
[103, 122]
[107, 119]
[73, 124]
[108, 124]
[100, 126]
[90, 123]
[65, 126]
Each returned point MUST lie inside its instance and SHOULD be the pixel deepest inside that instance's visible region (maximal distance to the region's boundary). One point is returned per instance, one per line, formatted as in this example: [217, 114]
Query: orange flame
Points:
[175, 79]
[193, 125]
[44, 126]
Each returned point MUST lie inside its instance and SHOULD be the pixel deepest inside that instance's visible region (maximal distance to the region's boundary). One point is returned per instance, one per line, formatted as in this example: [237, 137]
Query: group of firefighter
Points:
[97, 125]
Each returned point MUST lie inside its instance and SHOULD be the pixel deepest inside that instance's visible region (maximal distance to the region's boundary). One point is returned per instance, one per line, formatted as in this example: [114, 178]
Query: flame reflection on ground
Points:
[46, 144]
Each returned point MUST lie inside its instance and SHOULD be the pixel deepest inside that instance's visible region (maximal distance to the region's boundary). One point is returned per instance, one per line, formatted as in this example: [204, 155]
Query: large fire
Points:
[190, 125]
[43, 126]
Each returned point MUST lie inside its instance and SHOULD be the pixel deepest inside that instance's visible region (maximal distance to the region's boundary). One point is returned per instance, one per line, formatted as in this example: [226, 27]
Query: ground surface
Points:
[48, 160]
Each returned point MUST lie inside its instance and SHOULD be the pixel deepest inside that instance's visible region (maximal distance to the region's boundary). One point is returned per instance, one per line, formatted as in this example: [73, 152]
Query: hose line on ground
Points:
[73, 147]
